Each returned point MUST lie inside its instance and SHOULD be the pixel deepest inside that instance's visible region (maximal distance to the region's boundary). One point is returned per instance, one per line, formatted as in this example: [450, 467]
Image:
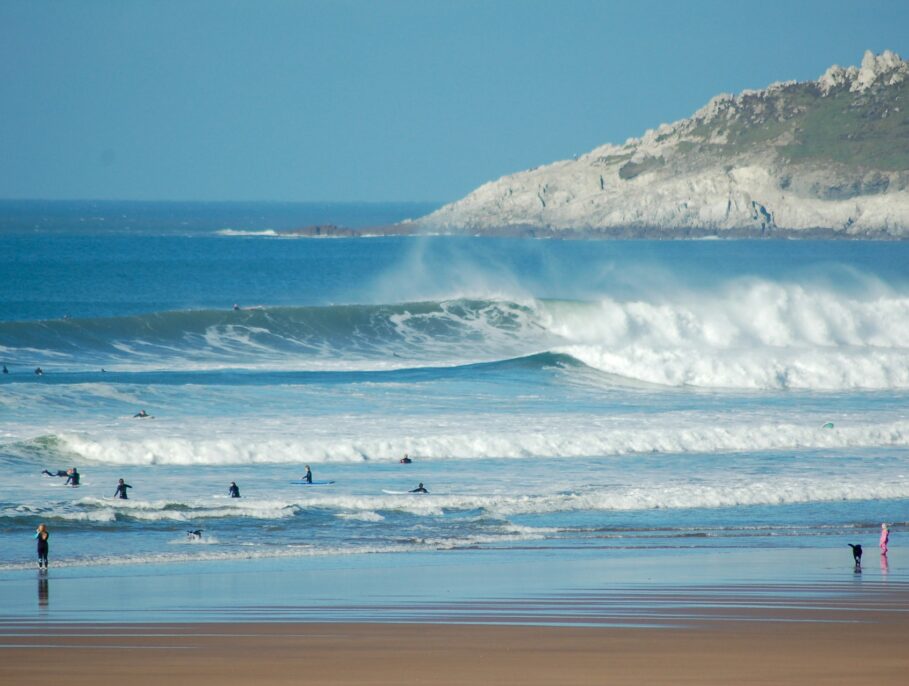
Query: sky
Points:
[373, 101]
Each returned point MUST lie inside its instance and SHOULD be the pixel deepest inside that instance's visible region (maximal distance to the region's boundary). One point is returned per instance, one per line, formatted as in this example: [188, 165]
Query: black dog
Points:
[856, 553]
[197, 534]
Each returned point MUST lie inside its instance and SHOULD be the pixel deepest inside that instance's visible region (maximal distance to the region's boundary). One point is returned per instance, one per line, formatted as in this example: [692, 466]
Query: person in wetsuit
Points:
[59, 472]
[121, 490]
[420, 489]
[233, 491]
[308, 476]
[72, 477]
[42, 535]
[405, 459]
[141, 414]
[5, 370]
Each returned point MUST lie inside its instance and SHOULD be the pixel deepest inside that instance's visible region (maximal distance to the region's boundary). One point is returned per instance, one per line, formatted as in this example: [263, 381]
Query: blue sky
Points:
[376, 101]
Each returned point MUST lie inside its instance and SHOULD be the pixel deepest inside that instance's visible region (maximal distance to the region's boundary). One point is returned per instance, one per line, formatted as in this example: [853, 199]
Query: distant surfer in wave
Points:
[420, 489]
[405, 459]
[121, 490]
[5, 370]
[233, 490]
[39, 371]
[72, 475]
[194, 535]
[141, 414]
[308, 476]
[42, 536]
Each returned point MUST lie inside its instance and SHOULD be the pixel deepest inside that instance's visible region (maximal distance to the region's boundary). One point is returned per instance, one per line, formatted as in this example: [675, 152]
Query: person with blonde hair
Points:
[42, 535]
[885, 538]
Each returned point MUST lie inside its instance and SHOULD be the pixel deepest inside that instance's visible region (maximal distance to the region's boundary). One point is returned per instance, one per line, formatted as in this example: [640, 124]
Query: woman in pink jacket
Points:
[885, 537]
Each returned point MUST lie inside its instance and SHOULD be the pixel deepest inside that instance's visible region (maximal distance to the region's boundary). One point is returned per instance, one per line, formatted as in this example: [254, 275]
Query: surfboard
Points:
[300, 482]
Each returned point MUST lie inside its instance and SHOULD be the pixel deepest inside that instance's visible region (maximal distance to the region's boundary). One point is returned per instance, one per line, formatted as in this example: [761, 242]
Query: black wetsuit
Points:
[121, 491]
[42, 548]
[234, 491]
[72, 479]
[307, 477]
[419, 489]
[59, 472]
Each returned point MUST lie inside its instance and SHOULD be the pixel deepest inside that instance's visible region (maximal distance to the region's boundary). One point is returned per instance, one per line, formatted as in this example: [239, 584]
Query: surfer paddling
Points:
[419, 489]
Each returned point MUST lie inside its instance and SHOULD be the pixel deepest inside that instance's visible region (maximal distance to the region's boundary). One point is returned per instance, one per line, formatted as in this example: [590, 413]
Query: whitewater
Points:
[564, 395]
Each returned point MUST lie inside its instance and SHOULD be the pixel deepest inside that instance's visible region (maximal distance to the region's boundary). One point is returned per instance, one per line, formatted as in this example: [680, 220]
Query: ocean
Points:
[557, 398]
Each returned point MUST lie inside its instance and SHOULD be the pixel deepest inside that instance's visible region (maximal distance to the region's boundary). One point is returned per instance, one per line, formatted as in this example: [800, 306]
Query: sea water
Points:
[558, 396]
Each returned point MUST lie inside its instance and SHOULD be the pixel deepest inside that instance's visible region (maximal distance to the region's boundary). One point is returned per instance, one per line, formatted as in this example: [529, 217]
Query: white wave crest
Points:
[753, 334]
[549, 437]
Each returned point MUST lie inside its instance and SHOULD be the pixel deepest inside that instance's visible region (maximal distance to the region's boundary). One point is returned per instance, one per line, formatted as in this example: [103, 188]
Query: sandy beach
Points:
[844, 628]
[742, 652]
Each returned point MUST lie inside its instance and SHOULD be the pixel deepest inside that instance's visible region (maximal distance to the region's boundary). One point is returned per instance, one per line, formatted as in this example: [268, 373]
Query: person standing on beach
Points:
[885, 538]
[121, 490]
[42, 535]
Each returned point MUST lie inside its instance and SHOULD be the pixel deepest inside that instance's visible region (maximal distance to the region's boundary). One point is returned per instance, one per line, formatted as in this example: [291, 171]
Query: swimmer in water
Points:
[405, 459]
[72, 477]
[121, 490]
[141, 414]
[233, 490]
[308, 476]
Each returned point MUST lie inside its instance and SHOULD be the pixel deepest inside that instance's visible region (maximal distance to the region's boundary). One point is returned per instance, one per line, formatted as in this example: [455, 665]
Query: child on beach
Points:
[42, 535]
[885, 538]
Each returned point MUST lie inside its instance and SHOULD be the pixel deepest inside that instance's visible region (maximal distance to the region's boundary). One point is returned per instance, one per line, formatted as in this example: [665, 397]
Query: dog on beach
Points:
[856, 553]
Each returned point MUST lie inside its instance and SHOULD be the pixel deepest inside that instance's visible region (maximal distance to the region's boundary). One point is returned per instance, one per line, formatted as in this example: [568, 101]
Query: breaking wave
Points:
[751, 334]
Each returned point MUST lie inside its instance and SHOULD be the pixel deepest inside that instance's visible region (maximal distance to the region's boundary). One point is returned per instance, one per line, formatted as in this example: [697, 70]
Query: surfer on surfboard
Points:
[419, 489]
[308, 476]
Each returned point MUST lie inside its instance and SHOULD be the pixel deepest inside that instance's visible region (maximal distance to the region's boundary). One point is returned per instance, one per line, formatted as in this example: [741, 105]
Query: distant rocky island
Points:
[825, 158]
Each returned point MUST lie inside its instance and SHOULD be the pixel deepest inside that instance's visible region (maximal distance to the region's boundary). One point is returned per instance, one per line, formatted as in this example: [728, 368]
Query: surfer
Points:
[405, 459]
[5, 370]
[121, 490]
[59, 472]
[885, 538]
[236, 307]
[194, 535]
[72, 477]
[39, 371]
[42, 535]
[233, 490]
[308, 476]
[420, 489]
[141, 414]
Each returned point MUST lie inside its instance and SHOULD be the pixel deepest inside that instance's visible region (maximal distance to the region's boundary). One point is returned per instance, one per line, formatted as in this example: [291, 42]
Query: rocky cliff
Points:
[825, 157]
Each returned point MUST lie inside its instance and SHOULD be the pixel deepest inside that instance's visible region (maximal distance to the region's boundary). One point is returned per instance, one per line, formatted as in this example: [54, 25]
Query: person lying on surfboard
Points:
[420, 489]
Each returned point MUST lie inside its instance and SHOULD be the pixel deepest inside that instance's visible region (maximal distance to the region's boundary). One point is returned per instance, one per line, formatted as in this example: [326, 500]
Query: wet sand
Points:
[226, 654]
[822, 639]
